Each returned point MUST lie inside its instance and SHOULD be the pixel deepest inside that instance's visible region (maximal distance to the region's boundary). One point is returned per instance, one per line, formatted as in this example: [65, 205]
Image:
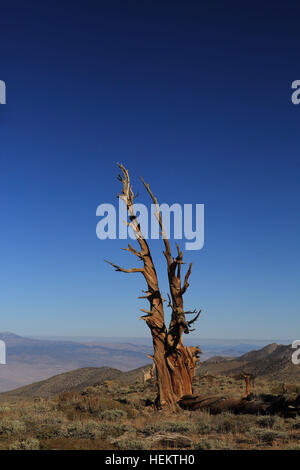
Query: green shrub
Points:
[28, 444]
[296, 423]
[113, 415]
[168, 426]
[227, 422]
[211, 444]
[268, 436]
[125, 390]
[271, 422]
[178, 427]
[79, 430]
[4, 409]
[11, 427]
[47, 431]
[151, 429]
[203, 427]
[94, 430]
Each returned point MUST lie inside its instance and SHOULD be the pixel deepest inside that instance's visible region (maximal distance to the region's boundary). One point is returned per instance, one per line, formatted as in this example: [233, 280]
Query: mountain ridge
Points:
[31, 360]
[272, 362]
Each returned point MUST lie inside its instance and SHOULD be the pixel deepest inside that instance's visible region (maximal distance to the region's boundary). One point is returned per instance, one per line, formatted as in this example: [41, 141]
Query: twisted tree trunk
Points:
[174, 362]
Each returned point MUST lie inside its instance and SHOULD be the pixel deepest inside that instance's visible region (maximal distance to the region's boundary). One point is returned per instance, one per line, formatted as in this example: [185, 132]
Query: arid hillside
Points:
[75, 380]
[31, 360]
[273, 362]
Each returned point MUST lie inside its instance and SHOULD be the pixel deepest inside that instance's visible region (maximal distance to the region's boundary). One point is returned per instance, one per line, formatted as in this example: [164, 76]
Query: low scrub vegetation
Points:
[109, 416]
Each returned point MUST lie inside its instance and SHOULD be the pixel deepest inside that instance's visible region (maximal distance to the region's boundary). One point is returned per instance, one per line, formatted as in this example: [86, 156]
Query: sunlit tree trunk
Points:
[175, 363]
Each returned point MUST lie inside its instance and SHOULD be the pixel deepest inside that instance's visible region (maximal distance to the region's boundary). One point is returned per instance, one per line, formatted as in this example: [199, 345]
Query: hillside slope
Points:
[75, 380]
[274, 362]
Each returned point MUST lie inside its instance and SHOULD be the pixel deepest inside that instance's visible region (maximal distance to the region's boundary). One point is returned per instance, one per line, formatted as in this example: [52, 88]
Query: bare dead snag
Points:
[175, 363]
[249, 380]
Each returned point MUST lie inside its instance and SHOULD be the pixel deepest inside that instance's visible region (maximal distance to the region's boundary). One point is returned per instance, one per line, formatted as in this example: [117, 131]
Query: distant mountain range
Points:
[31, 359]
[273, 362]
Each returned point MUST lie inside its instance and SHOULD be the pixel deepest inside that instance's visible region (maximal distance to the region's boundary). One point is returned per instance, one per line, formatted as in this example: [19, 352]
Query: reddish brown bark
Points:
[175, 363]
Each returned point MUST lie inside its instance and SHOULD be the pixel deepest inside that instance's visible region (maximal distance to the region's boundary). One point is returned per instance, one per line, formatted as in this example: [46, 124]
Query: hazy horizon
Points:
[146, 339]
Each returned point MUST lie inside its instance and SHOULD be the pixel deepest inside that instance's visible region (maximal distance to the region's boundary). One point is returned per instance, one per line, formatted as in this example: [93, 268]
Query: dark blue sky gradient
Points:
[195, 97]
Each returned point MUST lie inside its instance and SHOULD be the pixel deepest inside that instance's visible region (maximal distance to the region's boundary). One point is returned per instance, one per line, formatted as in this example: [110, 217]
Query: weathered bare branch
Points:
[186, 278]
[194, 319]
[123, 270]
[133, 251]
[158, 216]
[148, 294]
[146, 311]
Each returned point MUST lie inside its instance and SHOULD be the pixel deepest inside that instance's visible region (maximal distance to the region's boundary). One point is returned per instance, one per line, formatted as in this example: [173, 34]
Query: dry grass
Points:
[110, 416]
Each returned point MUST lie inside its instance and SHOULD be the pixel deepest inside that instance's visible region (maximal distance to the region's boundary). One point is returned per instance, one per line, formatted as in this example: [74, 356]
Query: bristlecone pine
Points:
[175, 363]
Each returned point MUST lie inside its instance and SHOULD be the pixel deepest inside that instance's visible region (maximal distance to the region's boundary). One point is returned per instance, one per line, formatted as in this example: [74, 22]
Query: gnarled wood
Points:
[174, 363]
[287, 407]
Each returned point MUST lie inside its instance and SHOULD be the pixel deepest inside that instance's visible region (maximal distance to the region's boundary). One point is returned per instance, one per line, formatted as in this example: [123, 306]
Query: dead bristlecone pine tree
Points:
[174, 362]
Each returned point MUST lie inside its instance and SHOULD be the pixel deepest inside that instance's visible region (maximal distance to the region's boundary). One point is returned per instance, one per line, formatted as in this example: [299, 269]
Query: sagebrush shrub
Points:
[168, 426]
[12, 427]
[113, 415]
[28, 444]
[268, 436]
[226, 422]
[4, 409]
[271, 422]
[211, 444]
[296, 423]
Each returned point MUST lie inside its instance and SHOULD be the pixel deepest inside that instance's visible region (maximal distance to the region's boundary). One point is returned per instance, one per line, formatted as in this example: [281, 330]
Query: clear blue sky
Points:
[194, 96]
